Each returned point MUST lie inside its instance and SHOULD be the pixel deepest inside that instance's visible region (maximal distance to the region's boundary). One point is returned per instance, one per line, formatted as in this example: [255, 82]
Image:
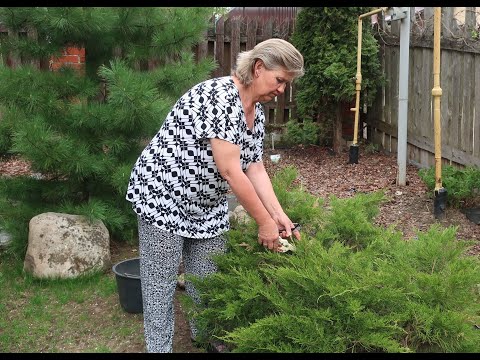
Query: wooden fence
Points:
[227, 37]
[459, 80]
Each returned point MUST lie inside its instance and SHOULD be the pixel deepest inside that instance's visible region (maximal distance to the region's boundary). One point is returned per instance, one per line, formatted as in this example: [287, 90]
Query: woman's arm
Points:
[227, 158]
[261, 182]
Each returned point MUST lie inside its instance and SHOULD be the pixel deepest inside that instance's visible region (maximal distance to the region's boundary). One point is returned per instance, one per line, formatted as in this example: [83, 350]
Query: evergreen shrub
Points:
[462, 184]
[82, 132]
[304, 133]
[350, 286]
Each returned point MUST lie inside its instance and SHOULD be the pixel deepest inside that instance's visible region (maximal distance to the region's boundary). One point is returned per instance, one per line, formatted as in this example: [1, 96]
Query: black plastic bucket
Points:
[127, 274]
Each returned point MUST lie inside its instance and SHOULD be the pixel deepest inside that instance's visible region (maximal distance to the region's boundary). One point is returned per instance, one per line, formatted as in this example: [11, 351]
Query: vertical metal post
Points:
[403, 99]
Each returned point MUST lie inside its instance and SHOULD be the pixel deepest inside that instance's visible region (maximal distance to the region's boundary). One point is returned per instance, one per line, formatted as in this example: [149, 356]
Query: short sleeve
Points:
[259, 135]
[217, 115]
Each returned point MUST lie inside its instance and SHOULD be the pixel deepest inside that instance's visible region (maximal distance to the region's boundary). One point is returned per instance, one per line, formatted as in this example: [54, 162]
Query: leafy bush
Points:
[305, 133]
[349, 287]
[462, 184]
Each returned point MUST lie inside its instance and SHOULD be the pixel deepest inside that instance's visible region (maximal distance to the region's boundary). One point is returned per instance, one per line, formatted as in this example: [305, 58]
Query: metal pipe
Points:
[373, 12]
[437, 93]
[403, 99]
[353, 154]
[440, 192]
[358, 80]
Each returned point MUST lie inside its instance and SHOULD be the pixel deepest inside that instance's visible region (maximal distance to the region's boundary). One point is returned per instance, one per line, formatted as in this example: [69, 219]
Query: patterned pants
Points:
[160, 255]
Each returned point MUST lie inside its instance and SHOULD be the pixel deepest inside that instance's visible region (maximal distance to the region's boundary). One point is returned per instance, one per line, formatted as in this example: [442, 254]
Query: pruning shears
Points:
[296, 226]
[285, 245]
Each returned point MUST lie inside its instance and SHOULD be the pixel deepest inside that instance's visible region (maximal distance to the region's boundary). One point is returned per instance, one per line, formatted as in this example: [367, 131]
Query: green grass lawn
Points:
[70, 315]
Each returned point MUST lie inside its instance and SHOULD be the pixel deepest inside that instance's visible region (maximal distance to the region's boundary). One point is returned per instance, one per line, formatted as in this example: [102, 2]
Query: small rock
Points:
[5, 239]
[241, 215]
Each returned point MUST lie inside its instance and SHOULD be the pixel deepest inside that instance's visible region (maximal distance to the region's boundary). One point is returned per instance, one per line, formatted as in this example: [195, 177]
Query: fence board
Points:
[268, 30]
[394, 62]
[388, 98]
[428, 16]
[416, 109]
[425, 98]
[251, 34]
[279, 112]
[470, 18]
[219, 47]
[202, 47]
[466, 143]
[411, 92]
[446, 101]
[33, 35]
[476, 110]
[454, 130]
[14, 58]
[449, 23]
[235, 40]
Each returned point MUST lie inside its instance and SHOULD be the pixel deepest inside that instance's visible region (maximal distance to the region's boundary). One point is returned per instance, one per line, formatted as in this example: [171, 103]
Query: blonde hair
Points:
[275, 54]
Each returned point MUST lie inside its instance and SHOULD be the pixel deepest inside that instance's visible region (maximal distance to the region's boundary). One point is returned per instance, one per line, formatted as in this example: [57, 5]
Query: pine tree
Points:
[84, 130]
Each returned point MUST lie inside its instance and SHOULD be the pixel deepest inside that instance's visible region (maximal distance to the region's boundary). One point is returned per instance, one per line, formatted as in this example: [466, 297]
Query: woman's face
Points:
[270, 83]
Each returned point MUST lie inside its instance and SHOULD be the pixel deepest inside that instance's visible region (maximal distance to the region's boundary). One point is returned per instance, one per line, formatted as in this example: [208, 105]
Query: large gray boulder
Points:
[65, 246]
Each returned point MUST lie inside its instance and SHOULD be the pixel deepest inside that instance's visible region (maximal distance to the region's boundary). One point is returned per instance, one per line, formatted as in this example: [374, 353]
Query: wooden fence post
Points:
[251, 34]
[428, 17]
[234, 40]
[470, 20]
[14, 57]
[449, 23]
[33, 35]
[202, 48]
[219, 45]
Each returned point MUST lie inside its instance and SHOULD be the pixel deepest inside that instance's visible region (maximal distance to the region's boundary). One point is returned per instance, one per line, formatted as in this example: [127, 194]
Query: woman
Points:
[210, 142]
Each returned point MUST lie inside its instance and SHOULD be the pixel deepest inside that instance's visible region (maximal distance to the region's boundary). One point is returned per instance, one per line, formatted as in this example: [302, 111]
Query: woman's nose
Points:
[282, 87]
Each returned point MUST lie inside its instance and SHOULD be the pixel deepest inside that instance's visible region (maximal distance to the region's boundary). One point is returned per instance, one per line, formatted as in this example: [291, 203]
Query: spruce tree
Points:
[82, 131]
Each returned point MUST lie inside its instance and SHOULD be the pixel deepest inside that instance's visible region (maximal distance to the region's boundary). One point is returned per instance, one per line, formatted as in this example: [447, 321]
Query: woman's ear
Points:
[258, 67]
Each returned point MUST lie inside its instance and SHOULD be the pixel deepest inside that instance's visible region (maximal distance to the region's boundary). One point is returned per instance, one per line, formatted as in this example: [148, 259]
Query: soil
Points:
[409, 208]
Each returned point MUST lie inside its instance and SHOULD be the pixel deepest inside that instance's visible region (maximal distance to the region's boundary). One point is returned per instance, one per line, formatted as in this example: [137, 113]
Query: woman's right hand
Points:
[268, 234]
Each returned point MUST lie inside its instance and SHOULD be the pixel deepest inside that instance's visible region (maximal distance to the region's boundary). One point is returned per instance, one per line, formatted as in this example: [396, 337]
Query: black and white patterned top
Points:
[175, 184]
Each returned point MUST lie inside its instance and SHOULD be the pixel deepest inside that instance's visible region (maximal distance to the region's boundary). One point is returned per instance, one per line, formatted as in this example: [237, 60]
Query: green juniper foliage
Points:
[83, 132]
[462, 184]
[350, 286]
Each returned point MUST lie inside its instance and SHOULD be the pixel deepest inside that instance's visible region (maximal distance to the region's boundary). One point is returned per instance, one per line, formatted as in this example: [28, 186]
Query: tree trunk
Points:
[337, 129]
